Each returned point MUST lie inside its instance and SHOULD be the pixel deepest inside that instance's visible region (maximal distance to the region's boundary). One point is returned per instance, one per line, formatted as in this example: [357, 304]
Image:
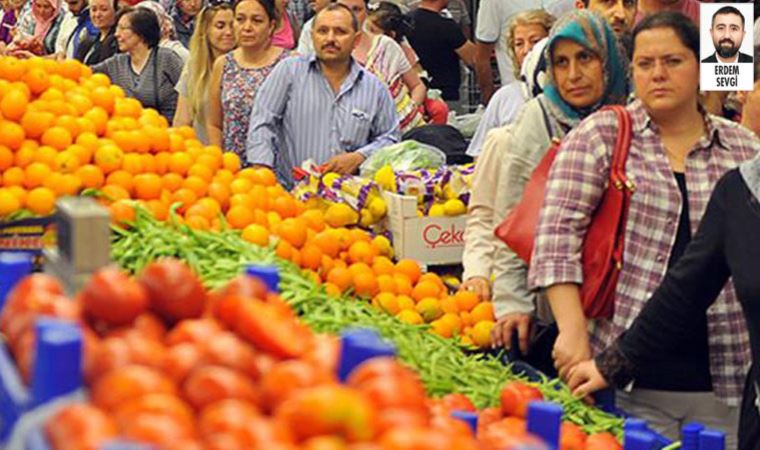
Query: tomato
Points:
[390, 418]
[261, 325]
[209, 384]
[378, 367]
[450, 425]
[226, 416]
[603, 441]
[287, 377]
[17, 299]
[159, 429]
[145, 351]
[125, 383]
[571, 437]
[181, 359]
[79, 426]
[175, 292]
[194, 331]
[507, 434]
[395, 392]
[226, 308]
[228, 350]
[38, 303]
[159, 404]
[325, 443]
[146, 324]
[243, 286]
[457, 402]
[113, 297]
[111, 354]
[324, 352]
[415, 438]
[488, 416]
[515, 397]
[329, 409]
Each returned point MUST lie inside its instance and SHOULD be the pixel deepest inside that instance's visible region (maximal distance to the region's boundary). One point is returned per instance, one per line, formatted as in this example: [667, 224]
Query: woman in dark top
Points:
[96, 49]
[144, 70]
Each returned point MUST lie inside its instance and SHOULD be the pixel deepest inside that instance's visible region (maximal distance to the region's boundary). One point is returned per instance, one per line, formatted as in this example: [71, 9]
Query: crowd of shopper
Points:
[281, 82]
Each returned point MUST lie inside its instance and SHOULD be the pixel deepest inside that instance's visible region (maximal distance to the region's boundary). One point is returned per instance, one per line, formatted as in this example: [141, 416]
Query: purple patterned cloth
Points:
[6, 25]
[576, 183]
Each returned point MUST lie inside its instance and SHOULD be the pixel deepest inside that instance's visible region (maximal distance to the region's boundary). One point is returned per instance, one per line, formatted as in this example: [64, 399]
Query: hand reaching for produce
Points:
[501, 335]
[571, 348]
[478, 285]
[585, 379]
[344, 164]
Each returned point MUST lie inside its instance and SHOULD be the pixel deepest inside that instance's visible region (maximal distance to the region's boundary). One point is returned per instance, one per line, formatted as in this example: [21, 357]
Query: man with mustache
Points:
[324, 107]
[727, 33]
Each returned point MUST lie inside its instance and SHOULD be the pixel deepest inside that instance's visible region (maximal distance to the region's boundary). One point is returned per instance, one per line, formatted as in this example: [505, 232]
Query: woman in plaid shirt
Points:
[677, 154]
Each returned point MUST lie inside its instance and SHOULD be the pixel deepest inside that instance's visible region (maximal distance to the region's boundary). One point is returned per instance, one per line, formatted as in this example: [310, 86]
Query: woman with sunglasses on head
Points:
[144, 70]
[238, 75]
[96, 49]
[678, 153]
[212, 38]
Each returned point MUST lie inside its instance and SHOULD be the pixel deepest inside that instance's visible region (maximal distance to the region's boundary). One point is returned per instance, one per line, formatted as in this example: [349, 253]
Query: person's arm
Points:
[417, 89]
[214, 114]
[688, 290]
[183, 115]
[483, 70]
[467, 53]
[267, 115]
[574, 188]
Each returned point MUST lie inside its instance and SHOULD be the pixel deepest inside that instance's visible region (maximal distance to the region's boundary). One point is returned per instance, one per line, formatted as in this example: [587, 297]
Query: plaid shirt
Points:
[576, 183]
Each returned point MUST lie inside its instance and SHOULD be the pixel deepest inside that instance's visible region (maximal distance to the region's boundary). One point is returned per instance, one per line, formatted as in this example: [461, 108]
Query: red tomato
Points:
[325, 443]
[487, 417]
[38, 303]
[243, 286]
[146, 324]
[288, 377]
[175, 292]
[79, 426]
[390, 418]
[209, 384]
[181, 359]
[324, 352]
[515, 397]
[571, 437]
[159, 429]
[226, 308]
[452, 426]
[381, 367]
[329, 409]
[194, 331]
[457, 402]
[226, 416]
[113, 297]
[395, 392]
[146, 351]
[126, 383]
[111, 354]
[17, 299]
[159, 404]
[603, 441]
[228, 350]
[415, 438]
[261, 325]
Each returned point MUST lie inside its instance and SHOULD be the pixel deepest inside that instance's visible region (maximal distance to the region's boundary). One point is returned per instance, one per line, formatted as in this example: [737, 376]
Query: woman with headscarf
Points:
[37, 29]
[677, 155]
[586, 70]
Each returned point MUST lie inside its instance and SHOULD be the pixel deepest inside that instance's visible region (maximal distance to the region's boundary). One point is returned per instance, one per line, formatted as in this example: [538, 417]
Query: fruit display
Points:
[66, 131]
[235, 368]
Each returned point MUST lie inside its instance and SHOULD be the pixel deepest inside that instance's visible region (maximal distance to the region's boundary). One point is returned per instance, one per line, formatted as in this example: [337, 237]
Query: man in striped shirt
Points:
[322, 107]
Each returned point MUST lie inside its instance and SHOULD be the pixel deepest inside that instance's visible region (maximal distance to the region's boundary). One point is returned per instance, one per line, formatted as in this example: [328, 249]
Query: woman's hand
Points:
[571, 348]
[501, 335]
[586, 379]
[478, 285]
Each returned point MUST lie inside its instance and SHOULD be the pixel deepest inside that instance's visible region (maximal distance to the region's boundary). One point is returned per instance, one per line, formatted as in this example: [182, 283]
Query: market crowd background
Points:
[252, 77]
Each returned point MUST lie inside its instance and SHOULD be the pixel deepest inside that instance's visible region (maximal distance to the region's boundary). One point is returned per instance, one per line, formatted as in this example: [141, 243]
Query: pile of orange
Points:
[65, 130]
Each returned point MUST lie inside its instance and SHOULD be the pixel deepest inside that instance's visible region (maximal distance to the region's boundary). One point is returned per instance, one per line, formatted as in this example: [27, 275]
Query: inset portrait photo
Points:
[726, 46]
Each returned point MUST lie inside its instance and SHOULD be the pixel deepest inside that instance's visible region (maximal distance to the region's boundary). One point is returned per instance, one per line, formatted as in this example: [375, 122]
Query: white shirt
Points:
[493, 22]
[305, 43]
[501, 110]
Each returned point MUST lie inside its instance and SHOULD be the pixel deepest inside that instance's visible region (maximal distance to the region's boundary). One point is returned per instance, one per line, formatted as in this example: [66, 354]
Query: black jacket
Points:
[743, 58]
[101, 50]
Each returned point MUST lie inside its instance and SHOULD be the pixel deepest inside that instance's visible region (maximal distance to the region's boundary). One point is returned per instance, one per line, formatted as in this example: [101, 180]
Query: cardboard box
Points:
[429, 240]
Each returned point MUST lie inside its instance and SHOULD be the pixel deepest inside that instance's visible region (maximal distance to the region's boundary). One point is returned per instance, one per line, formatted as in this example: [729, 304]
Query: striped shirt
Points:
[576, 183]
[296, 116]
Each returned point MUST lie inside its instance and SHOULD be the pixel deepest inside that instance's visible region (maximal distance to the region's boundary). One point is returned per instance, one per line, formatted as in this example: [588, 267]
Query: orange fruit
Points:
[35, 174]
[403, 285]
[198, 222]
[127, 107]
[256, 234]
[24, 156]
[184, 196]
[429, 308]
[9, 203]
[285, 206]
[196, 184]
[12, 135]
[201, 171]
[121, 178]
[40, 201]
[314, 218]
[382, 265]
[99, 118]
[293, 231]
[91, 176]
[132, 163]
[410, 268]
[331, 289]
[340, 277]
[180, 163]
[356, 268]
[466, 300]
[148, 186]
[57, 137]
[12, 69]
[114, 192]
[6, 158]
[239, 217]
[327, 243]
[37, 80]
[365, 284]
[66, 162]
[122, 212]
[109, 158]
[450, 305]
[161, 161]
[46, 155]
[386, 283]
[425, 289]
[383, 245]
[284, 250]
[482, 312]
[481, 333]
[70, 68]
[14, 104]
[171, 181]
[410, 317]
[159, 209]
[387, 302]
[311, 257]
[70, 124]
[241, 186]
[231, 162]
[220, 193]
[14, 177]
[35, 123]
[80, 102]
[361, 251]
[405, 302]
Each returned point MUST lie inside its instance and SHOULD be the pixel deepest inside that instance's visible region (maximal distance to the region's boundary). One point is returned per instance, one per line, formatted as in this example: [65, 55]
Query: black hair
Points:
[682, 26]
[341, 7]
[144, 23]
[728, 10]
[389, 18]
[268, 6]
[757, 63]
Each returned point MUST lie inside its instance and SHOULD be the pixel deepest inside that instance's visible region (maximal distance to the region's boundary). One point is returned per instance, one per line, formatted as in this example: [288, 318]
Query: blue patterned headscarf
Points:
[591, 31]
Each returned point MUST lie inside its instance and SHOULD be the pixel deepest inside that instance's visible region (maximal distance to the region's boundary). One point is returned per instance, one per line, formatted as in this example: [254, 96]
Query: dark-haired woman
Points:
[677, 155]
[238, 75]
[144, 70]
[96, 49]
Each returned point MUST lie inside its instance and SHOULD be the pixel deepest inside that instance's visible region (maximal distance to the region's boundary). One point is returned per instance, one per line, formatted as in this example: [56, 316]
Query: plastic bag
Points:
[467, 124]
[404, 156]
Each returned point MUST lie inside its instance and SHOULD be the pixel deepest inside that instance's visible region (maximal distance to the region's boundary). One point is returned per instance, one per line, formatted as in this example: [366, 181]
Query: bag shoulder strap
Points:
[622, 146]
[547, 122]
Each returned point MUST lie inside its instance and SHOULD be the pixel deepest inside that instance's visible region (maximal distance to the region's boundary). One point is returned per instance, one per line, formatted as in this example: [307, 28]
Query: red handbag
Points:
[603, 245]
